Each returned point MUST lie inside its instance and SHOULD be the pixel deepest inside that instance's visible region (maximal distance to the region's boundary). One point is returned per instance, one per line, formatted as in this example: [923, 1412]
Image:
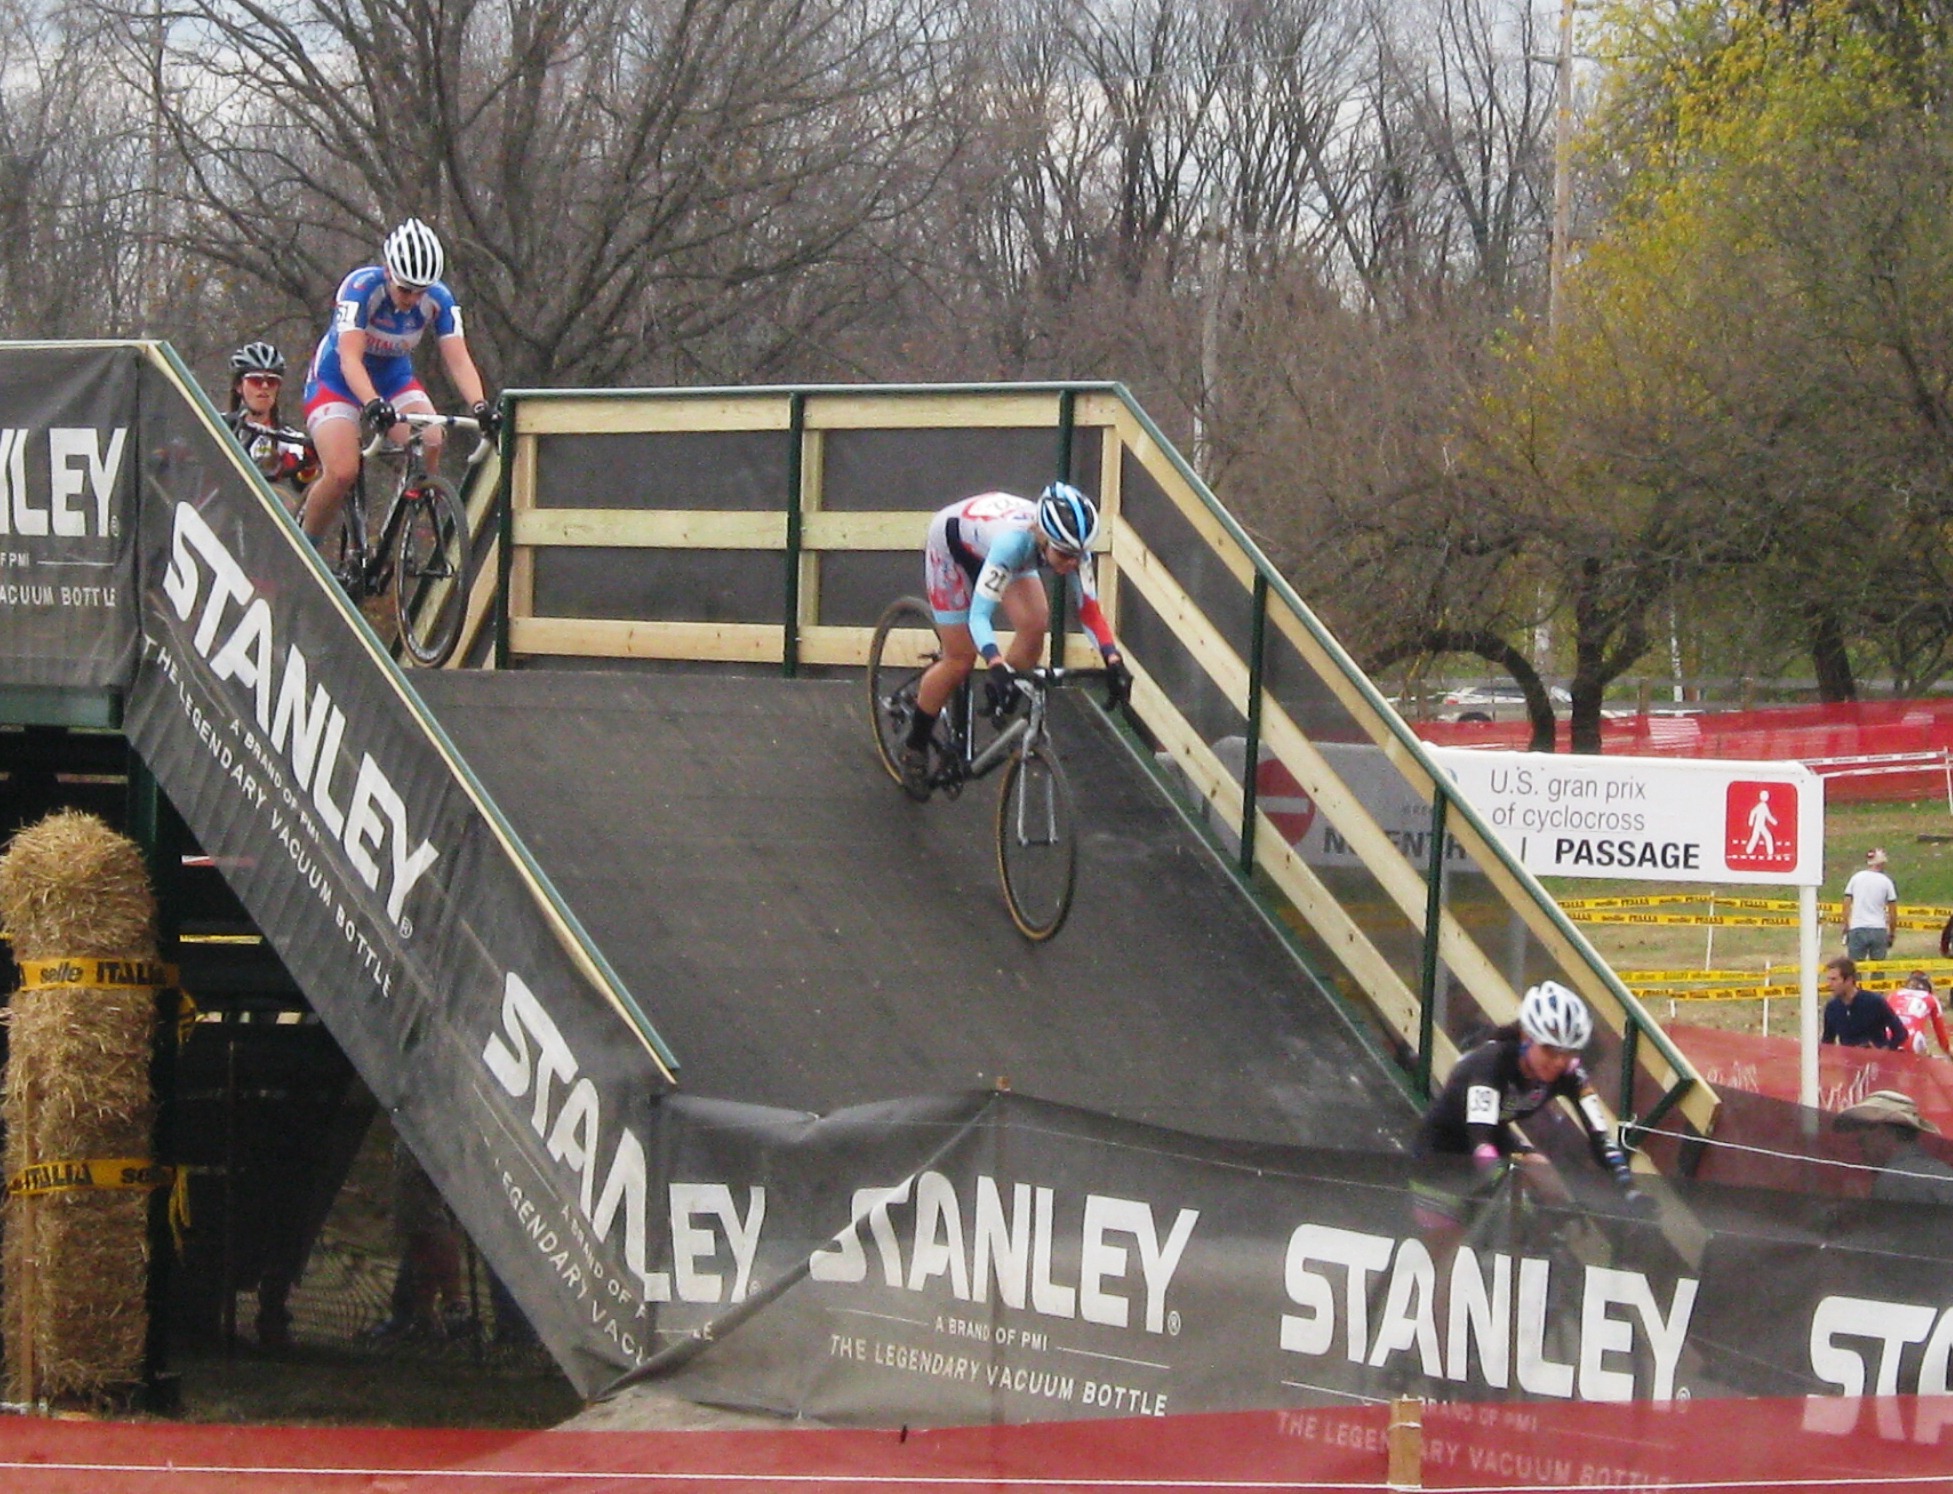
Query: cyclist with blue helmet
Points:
[982, 557]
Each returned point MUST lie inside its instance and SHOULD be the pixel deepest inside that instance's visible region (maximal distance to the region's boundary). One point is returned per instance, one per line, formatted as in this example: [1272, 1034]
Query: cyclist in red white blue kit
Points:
[983, 556]
[363, 372]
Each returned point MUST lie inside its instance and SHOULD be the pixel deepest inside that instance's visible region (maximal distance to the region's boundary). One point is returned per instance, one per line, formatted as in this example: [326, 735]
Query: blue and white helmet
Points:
[1068, 520]
[1554, 1017]
[412, 255]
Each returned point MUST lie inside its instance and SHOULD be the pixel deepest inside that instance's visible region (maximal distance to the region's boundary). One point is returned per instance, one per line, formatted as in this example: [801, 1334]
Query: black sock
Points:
[920, 727]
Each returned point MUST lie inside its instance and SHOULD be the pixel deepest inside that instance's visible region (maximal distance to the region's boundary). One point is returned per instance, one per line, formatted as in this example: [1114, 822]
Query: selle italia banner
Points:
[959, 1258]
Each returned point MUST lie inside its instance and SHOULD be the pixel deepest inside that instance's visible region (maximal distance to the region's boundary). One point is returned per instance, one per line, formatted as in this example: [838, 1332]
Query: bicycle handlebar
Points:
[1048, 677]
[421, 421]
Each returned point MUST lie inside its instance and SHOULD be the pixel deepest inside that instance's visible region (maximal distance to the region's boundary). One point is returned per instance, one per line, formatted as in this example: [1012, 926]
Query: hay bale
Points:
[75, 1263]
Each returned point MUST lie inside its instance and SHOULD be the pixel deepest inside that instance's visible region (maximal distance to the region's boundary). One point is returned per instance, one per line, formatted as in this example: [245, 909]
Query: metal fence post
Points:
[1251, 761]
[1054, 587]
[796, 433]
[1427, 984]
[504, 531]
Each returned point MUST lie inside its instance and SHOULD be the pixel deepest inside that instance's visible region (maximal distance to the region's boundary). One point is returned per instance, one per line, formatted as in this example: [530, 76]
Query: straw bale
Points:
[75, 1264]
[70, 885]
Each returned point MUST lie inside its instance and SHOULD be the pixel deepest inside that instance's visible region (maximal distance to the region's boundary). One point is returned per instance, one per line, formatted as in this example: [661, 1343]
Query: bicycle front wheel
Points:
[1037, 843]
[897, 659]
[430, 574]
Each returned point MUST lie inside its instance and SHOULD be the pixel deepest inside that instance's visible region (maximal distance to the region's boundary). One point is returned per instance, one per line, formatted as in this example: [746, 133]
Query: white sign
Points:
[1651, 819]
[1370, 776]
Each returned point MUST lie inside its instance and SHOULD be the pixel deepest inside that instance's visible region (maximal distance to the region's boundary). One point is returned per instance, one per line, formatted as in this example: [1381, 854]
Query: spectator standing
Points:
[1855, 1018]
[1915, 1004]
[1871, 909]
[1888, 1126]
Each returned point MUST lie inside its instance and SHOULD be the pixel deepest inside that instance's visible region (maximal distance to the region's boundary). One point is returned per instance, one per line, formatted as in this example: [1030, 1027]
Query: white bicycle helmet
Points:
[412, 255]
[1554, 1017]
[258, 357]
[1068, 520]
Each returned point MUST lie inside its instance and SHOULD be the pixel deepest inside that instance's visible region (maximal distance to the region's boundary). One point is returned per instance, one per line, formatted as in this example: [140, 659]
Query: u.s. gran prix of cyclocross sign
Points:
[1649, 818]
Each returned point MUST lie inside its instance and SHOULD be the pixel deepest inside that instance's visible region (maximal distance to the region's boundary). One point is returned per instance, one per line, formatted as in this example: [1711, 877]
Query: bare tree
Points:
[73, 178]
[628, 188]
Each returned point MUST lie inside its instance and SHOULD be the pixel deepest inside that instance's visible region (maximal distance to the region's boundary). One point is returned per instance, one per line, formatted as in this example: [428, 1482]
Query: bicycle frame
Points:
[366, 557]
[1036, 820]
[1025, 732]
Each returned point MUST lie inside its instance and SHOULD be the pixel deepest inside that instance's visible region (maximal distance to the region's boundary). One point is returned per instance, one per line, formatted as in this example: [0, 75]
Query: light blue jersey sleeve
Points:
[1014, 553]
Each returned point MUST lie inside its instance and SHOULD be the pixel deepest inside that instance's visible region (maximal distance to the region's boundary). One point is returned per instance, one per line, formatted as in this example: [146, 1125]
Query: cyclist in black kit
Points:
[1517, 1072]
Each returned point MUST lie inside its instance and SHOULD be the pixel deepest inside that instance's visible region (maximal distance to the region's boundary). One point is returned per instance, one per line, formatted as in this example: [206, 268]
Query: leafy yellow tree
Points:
[1752, 372]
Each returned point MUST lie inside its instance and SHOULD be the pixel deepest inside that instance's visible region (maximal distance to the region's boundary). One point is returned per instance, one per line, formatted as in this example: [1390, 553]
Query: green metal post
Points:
[1054, 588]
[1630, 1053]
[796, 432]
[505, 533]
[1251, 763]
[1427, 985]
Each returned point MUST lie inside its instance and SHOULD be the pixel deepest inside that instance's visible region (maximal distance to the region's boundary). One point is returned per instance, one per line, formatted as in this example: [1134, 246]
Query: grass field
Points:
[1918, 837]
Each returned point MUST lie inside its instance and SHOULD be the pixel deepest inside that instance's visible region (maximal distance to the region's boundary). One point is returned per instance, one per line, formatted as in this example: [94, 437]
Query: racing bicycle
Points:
[1037, 821]
[420, 546]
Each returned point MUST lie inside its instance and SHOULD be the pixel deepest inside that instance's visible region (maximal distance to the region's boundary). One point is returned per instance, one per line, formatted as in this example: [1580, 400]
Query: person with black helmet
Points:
[982, 558]
[362, 374]
[283, 455]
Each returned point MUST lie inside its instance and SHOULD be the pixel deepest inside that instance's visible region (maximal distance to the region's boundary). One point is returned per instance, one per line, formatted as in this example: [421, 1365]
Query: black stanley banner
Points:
[67, 464]
[351, 834]
[1005, 1260]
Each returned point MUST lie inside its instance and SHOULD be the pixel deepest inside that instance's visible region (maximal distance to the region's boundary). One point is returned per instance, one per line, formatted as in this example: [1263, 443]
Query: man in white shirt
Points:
[1871, 909]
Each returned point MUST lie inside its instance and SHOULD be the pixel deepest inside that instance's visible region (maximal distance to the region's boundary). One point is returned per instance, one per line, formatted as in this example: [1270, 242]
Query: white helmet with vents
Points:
[412, 255]
[1554, 1017]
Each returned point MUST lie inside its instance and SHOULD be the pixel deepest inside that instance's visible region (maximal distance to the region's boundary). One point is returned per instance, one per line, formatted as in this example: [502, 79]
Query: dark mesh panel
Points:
[915, 469]
[740, 470]
[744, 586]
[1195, 564]
[1151, 642]
[857, 584]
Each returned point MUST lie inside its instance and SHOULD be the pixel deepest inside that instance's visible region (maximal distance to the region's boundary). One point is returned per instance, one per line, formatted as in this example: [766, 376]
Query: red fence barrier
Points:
[1815, 1446]
[1882, 750]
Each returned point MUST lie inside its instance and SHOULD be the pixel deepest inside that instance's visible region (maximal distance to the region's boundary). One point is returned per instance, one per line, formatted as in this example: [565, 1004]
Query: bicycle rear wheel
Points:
[896, 661]
[1037, 843]
[430, 574]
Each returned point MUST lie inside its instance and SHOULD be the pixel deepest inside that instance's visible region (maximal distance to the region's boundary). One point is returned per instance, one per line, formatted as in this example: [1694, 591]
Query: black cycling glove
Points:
[379, 415]
[1000, 690]
[488, 416]
[1639, 1204]
[1118, 681]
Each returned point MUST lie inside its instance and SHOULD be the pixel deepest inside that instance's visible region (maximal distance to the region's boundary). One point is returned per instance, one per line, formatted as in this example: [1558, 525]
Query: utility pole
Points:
[1213, 262]
[1562, 166]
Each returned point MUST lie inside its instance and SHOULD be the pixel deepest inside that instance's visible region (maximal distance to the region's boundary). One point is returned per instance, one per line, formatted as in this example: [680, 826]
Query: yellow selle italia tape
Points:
[97, 1172]
[115, 975]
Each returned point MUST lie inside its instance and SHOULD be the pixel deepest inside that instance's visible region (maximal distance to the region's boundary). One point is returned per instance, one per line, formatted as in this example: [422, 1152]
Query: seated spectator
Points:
[1855, 1018]
[1915, 1005]
[1888, 1126]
